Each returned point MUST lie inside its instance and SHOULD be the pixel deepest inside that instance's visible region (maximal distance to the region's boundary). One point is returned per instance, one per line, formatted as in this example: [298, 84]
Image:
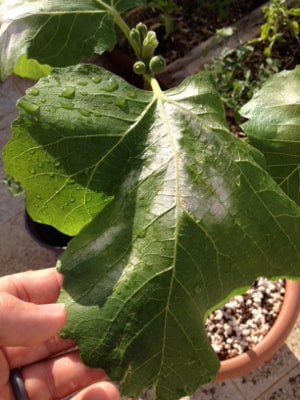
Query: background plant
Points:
[241, 72]
[172, 214]
[167, 9]
[278, 17]
[221, 8]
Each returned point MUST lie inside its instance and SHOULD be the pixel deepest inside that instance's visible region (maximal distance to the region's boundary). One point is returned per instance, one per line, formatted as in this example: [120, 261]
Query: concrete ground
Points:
[279, 379]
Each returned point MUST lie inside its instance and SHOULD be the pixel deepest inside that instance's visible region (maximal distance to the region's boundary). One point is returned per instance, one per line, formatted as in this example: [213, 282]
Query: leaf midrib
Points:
[161, 99]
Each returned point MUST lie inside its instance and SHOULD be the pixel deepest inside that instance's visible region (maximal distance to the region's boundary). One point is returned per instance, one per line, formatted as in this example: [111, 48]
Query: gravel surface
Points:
[244, 320]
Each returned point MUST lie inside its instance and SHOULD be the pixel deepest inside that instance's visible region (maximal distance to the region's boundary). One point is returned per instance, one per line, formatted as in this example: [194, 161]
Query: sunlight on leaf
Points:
[31, 69]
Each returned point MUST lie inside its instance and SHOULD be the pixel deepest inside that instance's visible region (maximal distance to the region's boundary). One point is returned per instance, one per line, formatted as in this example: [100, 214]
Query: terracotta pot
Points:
[275, 338]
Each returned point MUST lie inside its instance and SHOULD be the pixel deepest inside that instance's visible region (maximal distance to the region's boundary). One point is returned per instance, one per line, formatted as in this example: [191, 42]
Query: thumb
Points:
[99, 391]
[27, 324]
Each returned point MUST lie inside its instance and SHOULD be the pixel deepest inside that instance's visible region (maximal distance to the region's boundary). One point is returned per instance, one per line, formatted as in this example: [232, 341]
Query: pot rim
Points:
[274, 339]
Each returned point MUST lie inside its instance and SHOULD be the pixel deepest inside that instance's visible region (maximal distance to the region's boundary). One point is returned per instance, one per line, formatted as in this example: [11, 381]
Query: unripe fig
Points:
[157, 64]
[139, 67]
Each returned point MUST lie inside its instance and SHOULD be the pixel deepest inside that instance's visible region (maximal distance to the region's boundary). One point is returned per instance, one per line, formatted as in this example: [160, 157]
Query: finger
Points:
[21, 355]
[27, 324]
[39, 287]
[59, 377]
[99, 391]
[5, 387]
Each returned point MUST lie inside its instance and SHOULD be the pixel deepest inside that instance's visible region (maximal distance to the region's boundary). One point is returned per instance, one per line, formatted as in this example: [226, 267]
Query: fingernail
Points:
[54, 308]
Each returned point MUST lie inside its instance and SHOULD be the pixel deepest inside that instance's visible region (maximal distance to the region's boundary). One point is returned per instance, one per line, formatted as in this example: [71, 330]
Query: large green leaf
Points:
[70, 144]
[58, 33]
[195, 217]
[274, 128]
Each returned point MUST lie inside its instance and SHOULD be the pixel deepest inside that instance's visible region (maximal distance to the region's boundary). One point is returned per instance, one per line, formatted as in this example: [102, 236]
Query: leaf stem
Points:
[155, 86]
[119, 21]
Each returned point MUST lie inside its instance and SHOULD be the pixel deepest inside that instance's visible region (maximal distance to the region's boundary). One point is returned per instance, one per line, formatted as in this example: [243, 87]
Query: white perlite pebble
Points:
[244, 320]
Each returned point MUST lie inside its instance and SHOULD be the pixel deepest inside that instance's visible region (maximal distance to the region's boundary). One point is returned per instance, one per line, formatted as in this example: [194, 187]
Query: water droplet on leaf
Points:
[82, 83]
[33, 92]
[29, 107]
[111, 86]
[67, 105]
[132, 95]
[84, 113]
[142, 234]
[197, 289]
[68, 93]
[128, 327]
[96, 79]
[120, 102]
[69, 125]
[82, 69]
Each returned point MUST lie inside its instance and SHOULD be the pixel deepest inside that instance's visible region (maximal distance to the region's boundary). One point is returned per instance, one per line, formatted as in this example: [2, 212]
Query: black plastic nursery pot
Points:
[46, 235]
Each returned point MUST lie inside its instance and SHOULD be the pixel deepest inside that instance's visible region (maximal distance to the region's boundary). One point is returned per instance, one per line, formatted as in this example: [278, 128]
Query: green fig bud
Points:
[149, 45]
[135, 37]
[157, 64]
[142, 29]
[139, 67]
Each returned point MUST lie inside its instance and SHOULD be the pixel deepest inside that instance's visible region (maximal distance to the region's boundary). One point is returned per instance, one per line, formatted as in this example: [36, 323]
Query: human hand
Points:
[29, 322]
